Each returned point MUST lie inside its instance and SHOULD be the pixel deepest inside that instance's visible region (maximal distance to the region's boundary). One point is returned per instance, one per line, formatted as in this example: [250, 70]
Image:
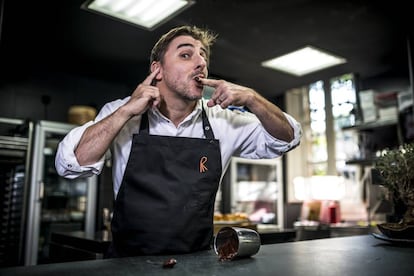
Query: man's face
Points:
[184, 61]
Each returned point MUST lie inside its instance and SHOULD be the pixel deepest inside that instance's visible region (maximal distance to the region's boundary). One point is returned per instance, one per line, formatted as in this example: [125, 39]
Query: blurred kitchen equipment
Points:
[80, 114]
[236, 242]
[330, 212]
[321, 195]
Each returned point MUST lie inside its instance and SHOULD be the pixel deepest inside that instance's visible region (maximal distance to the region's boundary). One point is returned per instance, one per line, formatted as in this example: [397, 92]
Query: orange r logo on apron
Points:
[203, 168]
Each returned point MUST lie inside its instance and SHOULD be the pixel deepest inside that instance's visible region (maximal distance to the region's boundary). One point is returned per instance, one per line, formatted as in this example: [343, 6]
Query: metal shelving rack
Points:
[15, 153]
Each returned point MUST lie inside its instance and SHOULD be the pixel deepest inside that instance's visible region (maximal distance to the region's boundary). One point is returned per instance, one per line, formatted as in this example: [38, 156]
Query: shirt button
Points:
[69, 165]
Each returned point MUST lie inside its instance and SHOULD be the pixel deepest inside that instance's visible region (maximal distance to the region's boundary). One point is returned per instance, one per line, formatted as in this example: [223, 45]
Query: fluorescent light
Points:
[303, 61]
[147, 14]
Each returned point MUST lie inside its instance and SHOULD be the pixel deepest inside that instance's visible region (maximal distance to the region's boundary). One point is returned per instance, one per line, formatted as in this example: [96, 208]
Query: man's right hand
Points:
[144, 96]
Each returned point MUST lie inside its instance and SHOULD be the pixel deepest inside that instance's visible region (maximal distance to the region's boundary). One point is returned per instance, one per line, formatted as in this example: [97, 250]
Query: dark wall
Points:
[386, 83]
[48, 96]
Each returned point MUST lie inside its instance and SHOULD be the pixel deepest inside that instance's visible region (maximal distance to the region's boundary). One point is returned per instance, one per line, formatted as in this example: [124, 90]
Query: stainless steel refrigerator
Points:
[54, 203]
[15, 149]
[255, 188]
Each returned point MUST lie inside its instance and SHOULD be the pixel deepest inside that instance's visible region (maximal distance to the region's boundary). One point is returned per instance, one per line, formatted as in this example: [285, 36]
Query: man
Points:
[170, 147]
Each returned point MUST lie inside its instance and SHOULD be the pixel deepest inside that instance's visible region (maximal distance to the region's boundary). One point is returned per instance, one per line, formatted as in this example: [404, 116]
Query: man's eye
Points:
[185, 55]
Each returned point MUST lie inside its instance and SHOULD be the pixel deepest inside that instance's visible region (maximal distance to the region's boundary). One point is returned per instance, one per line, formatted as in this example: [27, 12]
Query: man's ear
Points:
[155, 65]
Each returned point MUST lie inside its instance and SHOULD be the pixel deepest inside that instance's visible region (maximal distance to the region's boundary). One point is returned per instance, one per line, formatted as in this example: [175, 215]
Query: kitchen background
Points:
[57, 57]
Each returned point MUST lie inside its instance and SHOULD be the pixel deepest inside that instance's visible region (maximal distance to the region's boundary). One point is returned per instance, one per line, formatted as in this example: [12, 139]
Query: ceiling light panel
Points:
[147, 14]
[304, 61]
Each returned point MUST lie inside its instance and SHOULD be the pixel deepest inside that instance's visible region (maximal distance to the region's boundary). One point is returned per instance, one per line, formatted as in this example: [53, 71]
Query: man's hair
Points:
[206, 37]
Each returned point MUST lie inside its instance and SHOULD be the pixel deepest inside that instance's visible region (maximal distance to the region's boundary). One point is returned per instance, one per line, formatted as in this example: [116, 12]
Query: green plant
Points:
[396, 166]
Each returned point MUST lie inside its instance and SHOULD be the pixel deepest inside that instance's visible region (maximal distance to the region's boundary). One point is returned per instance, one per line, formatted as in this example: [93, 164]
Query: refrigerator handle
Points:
[41, 190]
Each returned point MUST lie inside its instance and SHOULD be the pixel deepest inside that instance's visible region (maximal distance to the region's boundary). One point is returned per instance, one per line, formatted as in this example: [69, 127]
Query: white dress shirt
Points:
[240, 134]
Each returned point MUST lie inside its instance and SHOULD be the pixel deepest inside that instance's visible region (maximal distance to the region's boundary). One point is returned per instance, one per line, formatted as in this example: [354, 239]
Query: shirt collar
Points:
[192, 116]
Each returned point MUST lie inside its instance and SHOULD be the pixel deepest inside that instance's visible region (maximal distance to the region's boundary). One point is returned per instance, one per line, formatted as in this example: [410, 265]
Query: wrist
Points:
[252, 99]
[124, 113]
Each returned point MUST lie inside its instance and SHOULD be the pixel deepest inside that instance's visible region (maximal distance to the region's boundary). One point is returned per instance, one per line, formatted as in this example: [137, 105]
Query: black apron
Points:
[165, 203]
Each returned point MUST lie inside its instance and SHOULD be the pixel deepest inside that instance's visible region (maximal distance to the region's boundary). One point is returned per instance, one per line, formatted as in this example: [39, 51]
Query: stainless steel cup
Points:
[236, 242]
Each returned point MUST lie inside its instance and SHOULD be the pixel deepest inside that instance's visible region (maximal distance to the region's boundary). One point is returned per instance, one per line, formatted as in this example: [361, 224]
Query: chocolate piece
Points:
[170, 263]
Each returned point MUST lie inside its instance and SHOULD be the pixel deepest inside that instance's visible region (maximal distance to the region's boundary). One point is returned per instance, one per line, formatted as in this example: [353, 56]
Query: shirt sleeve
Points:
[241, 134]
[66, 162]
[260, 144]
[284, 146]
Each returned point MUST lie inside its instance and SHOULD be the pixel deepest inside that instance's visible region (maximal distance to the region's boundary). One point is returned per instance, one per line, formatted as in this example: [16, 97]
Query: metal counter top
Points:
[356, 255]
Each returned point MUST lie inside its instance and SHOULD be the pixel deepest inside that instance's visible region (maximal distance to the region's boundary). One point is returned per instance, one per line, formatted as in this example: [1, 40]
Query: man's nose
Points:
[201, 61]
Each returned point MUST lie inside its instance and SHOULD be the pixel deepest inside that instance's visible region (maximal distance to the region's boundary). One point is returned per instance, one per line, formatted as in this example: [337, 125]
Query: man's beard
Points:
[184, 91]
[189, 97]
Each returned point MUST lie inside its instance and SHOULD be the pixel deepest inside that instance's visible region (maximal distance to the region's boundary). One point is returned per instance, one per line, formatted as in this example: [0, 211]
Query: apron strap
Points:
[144, 127]
[208, 131]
